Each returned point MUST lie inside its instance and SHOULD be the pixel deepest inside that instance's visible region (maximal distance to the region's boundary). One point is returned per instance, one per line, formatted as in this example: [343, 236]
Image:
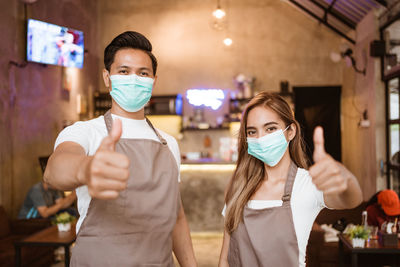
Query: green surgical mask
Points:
[131, 92]
[269, 148]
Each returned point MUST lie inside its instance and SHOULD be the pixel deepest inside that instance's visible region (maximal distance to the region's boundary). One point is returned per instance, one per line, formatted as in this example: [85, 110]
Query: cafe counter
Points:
[202, 188]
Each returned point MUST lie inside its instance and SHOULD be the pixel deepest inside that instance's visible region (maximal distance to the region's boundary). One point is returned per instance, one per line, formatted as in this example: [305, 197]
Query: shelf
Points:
[206, 161]
[248, 99]
[237, 105]
[206, 129]
[101, 103]
[286, 94]
[239, 99]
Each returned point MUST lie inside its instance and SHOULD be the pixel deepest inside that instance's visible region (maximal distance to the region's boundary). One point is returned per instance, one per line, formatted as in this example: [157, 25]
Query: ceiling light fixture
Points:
[219, 13]
[228, 41]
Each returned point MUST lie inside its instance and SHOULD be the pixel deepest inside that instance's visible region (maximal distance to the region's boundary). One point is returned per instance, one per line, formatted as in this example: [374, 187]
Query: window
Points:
[390, 33]
[393, 133]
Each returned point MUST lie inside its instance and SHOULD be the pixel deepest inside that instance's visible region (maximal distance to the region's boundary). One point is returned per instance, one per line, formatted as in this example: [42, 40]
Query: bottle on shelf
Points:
[364, 219]
[394, 227]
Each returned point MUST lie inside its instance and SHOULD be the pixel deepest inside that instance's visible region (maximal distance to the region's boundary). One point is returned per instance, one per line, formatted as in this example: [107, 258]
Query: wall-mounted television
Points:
[52, 44]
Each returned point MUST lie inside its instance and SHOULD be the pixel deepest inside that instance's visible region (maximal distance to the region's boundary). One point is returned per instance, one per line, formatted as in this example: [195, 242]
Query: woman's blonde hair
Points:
[250, 171]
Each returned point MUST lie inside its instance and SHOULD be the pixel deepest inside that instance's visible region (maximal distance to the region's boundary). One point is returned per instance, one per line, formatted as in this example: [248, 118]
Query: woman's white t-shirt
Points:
[306, 202]
[89, 135]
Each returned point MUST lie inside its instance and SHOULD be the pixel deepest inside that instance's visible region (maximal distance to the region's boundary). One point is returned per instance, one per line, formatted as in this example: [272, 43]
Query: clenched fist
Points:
[327, 174]
[108, 171]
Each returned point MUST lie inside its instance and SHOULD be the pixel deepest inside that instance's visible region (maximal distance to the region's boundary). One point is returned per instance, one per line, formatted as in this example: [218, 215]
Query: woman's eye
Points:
[271, 129]
[251, 133]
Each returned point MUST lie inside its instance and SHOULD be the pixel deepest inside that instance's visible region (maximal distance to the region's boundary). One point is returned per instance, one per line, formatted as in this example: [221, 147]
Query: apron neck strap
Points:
[289, 182]
[108, 120]
[162, 140]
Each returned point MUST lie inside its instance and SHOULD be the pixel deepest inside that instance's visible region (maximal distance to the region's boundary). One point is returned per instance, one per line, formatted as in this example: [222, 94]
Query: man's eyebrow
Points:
[123, 67]
[144, 68]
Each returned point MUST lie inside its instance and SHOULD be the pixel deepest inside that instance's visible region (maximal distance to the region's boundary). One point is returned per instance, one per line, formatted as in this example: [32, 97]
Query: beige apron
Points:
[266, 237]
[136, 228]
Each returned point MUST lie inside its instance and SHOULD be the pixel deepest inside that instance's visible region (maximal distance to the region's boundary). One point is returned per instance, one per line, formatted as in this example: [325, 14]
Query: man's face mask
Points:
[131, 92]
[268, 148]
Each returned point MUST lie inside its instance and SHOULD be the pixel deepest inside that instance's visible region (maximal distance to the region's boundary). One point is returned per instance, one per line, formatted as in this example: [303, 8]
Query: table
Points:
[48, 237]
[371, 247]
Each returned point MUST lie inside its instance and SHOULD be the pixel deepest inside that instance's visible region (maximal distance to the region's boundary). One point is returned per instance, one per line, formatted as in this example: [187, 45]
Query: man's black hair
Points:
[128, 39]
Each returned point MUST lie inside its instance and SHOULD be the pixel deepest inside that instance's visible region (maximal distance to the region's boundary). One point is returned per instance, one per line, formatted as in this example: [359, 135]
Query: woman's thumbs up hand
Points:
[326, 173]
[108, 171]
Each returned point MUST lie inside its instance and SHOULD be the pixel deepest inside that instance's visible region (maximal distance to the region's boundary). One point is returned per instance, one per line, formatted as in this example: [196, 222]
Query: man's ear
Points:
[106, 78]
[155, 81]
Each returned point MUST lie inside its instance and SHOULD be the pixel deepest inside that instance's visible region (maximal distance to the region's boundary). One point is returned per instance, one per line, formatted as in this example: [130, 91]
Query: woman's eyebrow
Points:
[270, 123]
[265, 125]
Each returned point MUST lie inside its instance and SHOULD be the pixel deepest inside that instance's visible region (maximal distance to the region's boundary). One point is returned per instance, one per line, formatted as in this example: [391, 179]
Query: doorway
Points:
[319, 105]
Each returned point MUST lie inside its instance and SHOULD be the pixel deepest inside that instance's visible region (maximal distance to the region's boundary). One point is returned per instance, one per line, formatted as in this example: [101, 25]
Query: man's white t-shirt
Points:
[306, 202]
[89, 135]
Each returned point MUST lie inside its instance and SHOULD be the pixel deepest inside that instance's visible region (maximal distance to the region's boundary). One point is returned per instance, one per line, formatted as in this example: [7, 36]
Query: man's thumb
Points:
[116, 131]
[109, 142]
[319, 144]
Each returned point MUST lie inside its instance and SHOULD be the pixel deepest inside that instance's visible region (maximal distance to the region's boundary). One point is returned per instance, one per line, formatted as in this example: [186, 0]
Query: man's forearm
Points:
[70, 199]
[67, 168]
[67, 201]
[182, 243]
[46, 212]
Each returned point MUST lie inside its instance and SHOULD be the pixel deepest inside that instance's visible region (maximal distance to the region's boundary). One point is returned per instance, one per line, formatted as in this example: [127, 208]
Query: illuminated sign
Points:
[212, 98]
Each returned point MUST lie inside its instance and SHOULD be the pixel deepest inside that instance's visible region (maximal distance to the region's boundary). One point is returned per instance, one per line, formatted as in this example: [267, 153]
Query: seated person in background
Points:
[43, 202]
[387, 208]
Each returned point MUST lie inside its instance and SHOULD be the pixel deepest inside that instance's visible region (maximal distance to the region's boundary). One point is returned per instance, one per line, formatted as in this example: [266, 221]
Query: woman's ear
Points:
[292, 132]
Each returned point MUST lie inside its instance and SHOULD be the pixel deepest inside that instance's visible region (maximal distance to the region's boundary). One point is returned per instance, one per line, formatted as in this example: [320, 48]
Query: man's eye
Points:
[143, 73]
[123, 72]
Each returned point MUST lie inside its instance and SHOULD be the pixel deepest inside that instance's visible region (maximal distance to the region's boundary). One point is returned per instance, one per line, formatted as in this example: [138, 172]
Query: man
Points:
[43, 202]
[386, 209]
[125, 171]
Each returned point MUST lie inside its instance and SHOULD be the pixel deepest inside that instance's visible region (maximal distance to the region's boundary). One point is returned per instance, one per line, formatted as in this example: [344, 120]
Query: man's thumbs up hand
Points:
[326, 173]
[108, 170]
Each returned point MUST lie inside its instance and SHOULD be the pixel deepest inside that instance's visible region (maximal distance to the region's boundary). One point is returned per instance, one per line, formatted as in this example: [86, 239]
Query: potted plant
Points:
[63, 221]
[358, 235]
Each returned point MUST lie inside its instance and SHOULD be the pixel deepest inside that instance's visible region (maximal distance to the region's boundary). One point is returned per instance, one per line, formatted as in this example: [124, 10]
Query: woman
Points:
[272, 200]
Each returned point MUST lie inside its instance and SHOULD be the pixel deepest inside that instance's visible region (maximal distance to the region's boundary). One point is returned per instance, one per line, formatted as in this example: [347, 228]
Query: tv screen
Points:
[52, 44]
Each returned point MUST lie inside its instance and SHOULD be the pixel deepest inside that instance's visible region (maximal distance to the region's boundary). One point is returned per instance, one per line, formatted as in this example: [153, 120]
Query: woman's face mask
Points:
[131, 92]
[269, 148]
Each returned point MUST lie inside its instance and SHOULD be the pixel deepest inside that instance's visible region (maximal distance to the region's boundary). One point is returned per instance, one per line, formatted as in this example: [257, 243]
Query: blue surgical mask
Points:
[131, 92]
[269, 148]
